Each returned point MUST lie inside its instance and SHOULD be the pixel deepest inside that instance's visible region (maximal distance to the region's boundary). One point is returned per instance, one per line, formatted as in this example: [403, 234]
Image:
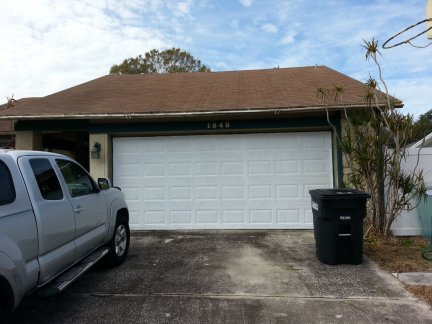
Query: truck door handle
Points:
[78, 210]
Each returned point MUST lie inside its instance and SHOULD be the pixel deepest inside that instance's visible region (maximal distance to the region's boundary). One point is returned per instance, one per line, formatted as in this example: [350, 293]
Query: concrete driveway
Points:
[228, 277]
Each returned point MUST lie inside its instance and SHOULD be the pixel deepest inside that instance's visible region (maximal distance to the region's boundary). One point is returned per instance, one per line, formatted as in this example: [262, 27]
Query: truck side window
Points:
[7, 190]
[77, 180]
[46, 179]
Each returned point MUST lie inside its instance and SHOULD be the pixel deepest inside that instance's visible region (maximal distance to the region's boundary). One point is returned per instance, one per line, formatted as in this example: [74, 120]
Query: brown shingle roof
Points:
[287, 88]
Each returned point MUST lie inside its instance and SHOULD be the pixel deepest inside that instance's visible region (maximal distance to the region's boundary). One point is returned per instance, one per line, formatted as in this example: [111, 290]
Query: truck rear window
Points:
[46, 179]
[7, 189]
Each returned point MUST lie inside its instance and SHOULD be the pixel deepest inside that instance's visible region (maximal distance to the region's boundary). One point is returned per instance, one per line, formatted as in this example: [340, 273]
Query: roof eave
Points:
[251, 111]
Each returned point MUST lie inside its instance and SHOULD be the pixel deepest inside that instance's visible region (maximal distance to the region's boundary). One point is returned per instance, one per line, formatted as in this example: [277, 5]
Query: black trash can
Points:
[338, 224]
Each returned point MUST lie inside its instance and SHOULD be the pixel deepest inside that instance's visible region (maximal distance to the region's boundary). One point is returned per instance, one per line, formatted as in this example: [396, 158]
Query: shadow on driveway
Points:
[228, 277]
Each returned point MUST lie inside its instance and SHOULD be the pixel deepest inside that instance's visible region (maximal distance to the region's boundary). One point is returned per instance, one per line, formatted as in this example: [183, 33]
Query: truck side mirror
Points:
[104, 183]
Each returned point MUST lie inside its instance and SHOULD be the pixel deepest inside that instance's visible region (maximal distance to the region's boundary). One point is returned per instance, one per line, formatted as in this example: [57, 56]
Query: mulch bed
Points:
[401, 254]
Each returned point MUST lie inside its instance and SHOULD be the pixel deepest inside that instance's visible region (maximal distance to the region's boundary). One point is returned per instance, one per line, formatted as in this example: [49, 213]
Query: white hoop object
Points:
[408, 41]
[429, 16]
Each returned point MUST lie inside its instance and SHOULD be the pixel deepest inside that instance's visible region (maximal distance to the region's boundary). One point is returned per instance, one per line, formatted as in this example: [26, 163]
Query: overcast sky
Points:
[50, 45]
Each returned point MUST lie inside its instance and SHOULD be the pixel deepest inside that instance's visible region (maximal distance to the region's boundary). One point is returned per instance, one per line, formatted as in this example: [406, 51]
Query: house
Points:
[424, 142]
[210, 150]
[7, 138]
[418, 158]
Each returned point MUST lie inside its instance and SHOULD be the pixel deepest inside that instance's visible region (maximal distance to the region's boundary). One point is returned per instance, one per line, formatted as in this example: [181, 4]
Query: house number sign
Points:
[218, 125]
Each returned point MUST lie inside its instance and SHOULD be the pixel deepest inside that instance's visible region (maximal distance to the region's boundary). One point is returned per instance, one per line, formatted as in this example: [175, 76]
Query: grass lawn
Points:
[401, 254]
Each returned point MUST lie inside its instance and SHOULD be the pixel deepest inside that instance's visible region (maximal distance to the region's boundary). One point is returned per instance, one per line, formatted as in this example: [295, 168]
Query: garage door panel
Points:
[132, 170]
[154, 169]
[308, 217]
[154, 193]
[222, 181]
[206, 192]
[288, 215]
[234, 216]
[180, 216]
[260, 216]
[233, 192]
[207, 216]
[287, 191]
[286, 166]
[314, 166]
[150, 146]
[180, 169]
[260, 190]
[232, 168]
[133, 193]
[177, 144]
[154, 217]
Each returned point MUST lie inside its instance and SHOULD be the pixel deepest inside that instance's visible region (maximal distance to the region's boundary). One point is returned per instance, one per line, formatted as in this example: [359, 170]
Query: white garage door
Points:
[247, 181]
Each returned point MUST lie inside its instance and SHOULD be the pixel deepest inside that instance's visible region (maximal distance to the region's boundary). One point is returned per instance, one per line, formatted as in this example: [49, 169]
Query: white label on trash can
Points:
[344, 217]
[314, 205]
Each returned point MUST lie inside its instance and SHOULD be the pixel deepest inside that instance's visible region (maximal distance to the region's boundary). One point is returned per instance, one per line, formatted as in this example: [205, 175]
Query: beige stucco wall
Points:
[102, 167]
[28, 140]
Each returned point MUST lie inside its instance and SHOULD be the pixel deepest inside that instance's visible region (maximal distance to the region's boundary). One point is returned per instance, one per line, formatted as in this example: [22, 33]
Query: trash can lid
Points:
[338, 194]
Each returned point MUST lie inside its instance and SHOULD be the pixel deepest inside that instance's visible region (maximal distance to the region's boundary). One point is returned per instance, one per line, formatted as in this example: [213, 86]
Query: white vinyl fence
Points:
[407, 223]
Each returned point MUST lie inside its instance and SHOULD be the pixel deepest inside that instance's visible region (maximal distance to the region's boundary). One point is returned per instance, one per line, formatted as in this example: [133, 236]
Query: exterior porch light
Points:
[95, 151]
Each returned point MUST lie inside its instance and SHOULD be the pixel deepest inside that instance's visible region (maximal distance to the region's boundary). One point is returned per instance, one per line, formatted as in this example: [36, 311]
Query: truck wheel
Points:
[119, 244]
[6, 300]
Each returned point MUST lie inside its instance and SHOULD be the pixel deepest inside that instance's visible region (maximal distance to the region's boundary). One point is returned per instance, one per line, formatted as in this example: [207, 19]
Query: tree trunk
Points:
[381, 184]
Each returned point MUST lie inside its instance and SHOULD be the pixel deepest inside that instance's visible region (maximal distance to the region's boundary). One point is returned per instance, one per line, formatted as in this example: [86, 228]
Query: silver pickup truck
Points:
[55, 223]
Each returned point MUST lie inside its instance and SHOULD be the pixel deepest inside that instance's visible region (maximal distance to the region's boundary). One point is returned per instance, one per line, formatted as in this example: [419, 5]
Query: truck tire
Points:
[119, 244]
[6, 300]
